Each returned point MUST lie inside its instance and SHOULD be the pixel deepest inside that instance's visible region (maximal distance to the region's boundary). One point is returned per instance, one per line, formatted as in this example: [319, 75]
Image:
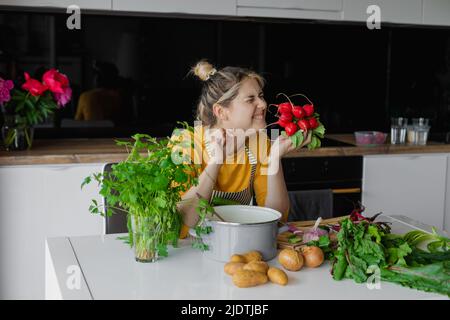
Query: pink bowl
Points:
[370, 138]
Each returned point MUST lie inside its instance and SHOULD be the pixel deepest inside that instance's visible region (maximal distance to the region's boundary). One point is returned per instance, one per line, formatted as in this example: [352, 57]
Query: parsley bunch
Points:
[148, 187]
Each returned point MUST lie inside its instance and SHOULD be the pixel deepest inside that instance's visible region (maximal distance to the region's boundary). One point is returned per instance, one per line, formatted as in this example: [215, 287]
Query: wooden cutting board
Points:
[283, 238]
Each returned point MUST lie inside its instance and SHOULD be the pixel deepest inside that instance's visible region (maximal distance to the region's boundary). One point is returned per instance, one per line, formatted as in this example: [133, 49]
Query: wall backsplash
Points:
[358, 78]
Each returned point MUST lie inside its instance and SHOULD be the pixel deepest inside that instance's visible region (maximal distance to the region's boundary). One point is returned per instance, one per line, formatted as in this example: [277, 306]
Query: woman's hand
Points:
[283, 145]
[225, 143]
[306, 138]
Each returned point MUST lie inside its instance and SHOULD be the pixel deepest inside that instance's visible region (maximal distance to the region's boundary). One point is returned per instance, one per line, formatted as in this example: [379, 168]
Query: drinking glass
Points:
[420, 122]
[398, 130]
[421, 134]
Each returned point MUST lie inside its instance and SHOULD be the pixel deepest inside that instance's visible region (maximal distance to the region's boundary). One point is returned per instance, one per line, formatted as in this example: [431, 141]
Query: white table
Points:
[102, 267]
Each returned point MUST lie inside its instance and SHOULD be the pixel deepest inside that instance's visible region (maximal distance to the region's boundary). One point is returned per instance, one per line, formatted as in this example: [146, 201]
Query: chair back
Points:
[117, 222]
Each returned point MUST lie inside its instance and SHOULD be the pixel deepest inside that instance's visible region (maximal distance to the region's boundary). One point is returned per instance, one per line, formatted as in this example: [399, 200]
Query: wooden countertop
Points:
[61, 151]
[387, 148]
[65, 151]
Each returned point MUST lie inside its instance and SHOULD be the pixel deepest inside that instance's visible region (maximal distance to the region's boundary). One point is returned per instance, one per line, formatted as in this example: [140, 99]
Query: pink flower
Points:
[55, 81]
[5, 88]
[64, 97]
[58, 83]
[33, 86]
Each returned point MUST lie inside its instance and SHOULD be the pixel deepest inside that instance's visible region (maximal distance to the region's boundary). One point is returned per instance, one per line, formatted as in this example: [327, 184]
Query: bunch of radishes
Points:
[299, 119]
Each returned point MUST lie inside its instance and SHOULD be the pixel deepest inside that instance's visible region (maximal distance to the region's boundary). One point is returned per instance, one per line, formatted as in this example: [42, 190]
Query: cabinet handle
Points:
[347, 190]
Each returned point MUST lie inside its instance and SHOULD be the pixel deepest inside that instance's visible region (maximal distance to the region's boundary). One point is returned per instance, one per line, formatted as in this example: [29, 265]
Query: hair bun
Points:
[204, 70]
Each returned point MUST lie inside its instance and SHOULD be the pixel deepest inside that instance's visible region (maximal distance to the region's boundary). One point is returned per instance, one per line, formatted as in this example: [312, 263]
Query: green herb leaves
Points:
[317, 134]
[433, 241]
[293, 239]
[434, 277]
[297, 138]
[364, 245]
[396, 255]
[148, 184]
[356, 251]
[203, 209]
[30, 110]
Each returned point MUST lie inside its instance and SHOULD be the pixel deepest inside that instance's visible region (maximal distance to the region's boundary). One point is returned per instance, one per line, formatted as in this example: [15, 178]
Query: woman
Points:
[232, 99]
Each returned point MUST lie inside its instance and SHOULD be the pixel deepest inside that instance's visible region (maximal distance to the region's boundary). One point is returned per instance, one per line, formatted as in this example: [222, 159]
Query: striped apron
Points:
[244, 197]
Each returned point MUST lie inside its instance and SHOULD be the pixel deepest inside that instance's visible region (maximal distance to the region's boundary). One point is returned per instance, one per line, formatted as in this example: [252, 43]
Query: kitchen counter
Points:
[103, 267]
[67, 151]
[354, 150]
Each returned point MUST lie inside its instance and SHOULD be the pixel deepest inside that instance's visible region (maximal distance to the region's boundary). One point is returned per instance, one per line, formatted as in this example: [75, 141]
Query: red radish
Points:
[285, 107]
[296, 119]
[298, 112]
[303, 125]
[309, 109]
[286, 117]
[291, 128]
[282, 123]
[313, 123]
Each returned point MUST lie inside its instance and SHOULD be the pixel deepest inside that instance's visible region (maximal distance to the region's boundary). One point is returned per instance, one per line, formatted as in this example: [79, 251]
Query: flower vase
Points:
[16, 137]
[145, 238]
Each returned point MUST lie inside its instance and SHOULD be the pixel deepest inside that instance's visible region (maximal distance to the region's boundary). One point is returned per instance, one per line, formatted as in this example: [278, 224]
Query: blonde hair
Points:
[220, 86]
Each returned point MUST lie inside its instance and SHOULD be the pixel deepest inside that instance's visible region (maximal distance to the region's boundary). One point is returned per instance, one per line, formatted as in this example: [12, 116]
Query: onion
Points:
[313, 256]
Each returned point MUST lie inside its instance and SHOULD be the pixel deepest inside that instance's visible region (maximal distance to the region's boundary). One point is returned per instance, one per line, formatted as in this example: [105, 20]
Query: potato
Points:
[238, 258]
[247, 278]
[290, 259]
[258, 266]
[253, 256]
[277, 276]
[231, 267]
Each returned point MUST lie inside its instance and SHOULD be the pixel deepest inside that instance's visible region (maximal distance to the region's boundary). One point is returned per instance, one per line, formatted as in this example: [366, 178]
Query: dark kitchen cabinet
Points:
[341, 174]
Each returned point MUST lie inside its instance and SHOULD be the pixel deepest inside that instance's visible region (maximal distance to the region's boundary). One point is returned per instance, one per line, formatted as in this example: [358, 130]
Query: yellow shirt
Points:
[232, 177]
[99, 104]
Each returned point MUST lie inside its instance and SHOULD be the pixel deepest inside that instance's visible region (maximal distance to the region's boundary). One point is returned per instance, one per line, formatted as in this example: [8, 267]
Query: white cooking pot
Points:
[246, 228]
